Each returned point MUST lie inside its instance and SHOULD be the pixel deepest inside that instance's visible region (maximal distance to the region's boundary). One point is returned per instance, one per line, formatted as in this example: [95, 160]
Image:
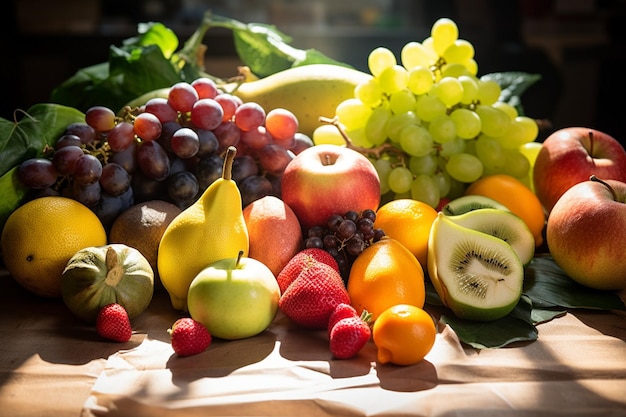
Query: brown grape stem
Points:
[376, 151]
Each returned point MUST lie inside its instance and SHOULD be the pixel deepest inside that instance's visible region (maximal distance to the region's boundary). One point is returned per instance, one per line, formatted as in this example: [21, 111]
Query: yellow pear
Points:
[211, 229]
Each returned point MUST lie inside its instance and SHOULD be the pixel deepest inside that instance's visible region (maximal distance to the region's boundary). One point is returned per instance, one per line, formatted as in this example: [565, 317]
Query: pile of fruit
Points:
[346, 201]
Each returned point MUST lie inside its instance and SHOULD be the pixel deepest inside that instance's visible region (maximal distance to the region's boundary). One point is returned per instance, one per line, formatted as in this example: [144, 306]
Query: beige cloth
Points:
[52, 365]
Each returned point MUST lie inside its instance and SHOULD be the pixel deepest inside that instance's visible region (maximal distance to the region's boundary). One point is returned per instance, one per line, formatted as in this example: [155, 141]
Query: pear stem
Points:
[596, 179]
[239, 256]
[228, 163]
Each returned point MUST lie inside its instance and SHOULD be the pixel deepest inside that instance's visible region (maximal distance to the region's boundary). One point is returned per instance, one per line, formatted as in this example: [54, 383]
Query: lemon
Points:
[41, 236]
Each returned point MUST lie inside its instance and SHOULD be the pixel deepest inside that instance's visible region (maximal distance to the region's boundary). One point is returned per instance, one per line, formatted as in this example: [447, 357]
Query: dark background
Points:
[577, 46]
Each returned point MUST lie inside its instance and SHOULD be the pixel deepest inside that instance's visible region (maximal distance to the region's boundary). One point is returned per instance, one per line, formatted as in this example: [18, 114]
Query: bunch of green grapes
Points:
[440, 125]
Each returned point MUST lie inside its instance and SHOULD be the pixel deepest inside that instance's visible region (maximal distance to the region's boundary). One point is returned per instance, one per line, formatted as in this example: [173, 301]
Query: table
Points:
[53, 365]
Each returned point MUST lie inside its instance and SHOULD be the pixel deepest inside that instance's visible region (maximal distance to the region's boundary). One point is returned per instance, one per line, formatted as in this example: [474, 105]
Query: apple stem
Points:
[239, 256]
[596, 179]
[376, 151]
[590, 143]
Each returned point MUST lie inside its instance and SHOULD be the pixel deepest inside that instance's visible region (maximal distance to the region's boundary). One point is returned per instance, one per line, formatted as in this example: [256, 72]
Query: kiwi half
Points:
[467, 203]
[502, 224]
[478, 276]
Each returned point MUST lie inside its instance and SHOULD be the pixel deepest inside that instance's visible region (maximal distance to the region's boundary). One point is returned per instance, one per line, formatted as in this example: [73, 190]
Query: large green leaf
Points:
[517, 326]
[513, 85]
[40, 125]
[548, 286]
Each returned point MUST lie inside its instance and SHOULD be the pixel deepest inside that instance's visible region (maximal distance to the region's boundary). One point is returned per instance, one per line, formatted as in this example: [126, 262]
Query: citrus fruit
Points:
[408, 221]
[385, 274]
[142, 226]
[274, 232]
[41, 236]
[403, 334]
[516, 196]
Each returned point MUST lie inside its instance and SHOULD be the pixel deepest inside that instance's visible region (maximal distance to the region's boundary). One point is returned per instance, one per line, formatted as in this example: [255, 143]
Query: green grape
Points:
[400, 179]
[397, 122]
[522, 130]
[402, 101]
[472, 66]
[457, 189]
[467, 123]
[380, 59]
[383, 168]
[353, 113]
[429, 107]
[420, 80]
[375, 128]
[470, 88]
[443, 181]
[453, 70]
[449, 90]
[490, 153]
[358, 138]
[393, 79]
[426, 164]
[456, 145]
[424, 189]
[459, 52]
[488, 92]
[516, 164]
[327, 134]
[444, 32]
[442, 129]
[416, 141]
[530, 150]
[507, 108]
[369, 92]
[494, 122]
[464, 167]
[414, 54]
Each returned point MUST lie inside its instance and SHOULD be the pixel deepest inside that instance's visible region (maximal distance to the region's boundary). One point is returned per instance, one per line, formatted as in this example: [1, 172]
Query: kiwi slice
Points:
[502, 224]
[466, 203]
[478, 276]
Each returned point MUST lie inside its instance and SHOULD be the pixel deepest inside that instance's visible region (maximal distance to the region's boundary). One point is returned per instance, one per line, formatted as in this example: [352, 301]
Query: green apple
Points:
[234, 298]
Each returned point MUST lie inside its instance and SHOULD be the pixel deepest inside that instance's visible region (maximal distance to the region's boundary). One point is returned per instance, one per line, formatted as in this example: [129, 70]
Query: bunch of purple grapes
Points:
[345, 237]
[169, 149]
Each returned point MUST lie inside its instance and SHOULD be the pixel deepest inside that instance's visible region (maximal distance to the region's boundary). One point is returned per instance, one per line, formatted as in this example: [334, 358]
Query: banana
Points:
[308, 91]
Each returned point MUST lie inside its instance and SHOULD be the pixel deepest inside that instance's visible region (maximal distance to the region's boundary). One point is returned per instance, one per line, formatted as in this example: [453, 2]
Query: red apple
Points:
[585, 233]
[328, 179]
[571, 155]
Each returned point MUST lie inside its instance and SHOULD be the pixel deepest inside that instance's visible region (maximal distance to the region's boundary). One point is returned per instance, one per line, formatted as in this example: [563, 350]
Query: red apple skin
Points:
[328, 179]
[585, 234]
[568, 156]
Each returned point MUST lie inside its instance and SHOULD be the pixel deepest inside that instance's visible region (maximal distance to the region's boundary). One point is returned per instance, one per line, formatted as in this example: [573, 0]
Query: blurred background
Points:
[577, 46]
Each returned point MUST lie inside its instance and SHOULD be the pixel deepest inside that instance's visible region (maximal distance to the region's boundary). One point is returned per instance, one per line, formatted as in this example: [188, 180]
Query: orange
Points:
[403, 335]
[385, 274]
[408, 221]
[516, 196]
[41, 236]
[274, 232]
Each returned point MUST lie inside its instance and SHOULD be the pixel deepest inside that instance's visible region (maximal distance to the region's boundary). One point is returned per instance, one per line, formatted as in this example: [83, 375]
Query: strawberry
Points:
[301, 261]
[342, 311]
[189, 337]
[313, 295]
[113, 323]
[348, 336]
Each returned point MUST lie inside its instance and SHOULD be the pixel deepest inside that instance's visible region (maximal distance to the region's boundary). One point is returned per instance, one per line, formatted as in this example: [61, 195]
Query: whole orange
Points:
[516, 196]
[408, 221]
[403, 334]
[41, 236]
[385, 274]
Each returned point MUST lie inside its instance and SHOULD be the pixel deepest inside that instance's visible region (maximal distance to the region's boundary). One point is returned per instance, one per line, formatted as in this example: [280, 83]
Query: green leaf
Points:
[517, 326]
[13, 194]
[548, 286]
[513, 85]
[540, 315]
[41, 125]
